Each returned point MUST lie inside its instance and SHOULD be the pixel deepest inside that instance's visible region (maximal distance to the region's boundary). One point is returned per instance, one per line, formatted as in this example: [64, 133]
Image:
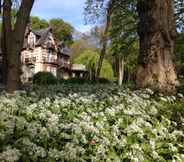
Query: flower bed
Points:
[90, 123]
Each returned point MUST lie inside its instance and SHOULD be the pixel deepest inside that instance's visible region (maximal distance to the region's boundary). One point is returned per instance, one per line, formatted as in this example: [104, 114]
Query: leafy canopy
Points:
[62, 30]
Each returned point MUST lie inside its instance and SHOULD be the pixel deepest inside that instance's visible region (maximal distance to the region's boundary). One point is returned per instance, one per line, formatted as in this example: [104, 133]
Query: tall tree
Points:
[104, 39]
[37, 23]
[157, 32]
[123, 35]
[100, 10]
[62, 30]
[12, 39]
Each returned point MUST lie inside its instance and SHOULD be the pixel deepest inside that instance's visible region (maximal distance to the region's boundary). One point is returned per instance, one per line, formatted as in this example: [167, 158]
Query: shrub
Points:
[103, 81]
[83, 81]
[74, 81]
[44, 78]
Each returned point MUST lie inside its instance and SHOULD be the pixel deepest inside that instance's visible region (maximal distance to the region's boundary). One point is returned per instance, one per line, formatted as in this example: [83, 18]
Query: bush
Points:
[104, 81]
[74, 81]
[44, 78]
[83, 81]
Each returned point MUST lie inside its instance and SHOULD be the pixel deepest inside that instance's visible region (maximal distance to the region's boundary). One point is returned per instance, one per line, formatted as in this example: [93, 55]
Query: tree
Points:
[180, 55]
[89, 58]
[79, 46]
[157, 32]
[37, 23]
[100, 9]
[62, 30]
[87, 41]
[12, 39]
[123, 35]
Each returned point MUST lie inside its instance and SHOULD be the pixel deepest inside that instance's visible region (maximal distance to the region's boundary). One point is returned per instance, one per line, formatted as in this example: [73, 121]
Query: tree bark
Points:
[13, 40]
[120, 71]
[6, 35]
[157, 32]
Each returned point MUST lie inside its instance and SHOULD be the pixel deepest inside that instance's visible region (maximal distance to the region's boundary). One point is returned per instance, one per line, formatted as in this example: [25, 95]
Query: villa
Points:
[42, 53]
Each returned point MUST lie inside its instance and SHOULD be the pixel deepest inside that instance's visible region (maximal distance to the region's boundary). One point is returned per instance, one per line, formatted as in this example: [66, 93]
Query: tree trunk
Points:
[13, 40]
[120, 71]
[157, 32]
[4, 57]
[104, 38]
[6, 36]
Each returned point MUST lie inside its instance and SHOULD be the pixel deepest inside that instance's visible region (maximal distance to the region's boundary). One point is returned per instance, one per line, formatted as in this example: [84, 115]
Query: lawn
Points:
[91, 123]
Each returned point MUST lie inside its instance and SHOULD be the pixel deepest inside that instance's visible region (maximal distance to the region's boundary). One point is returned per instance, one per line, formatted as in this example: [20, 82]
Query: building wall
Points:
[41, 59]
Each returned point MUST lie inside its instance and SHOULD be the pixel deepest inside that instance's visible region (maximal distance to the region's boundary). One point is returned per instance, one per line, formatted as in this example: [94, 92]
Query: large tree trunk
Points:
[157, 31]
[6, 36]
[13, 40]
[4, 57]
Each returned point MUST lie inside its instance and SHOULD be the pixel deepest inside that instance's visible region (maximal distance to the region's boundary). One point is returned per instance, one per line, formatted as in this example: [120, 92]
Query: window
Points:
[50, 52]
[44, 59]
[26, 60]
[34, 59]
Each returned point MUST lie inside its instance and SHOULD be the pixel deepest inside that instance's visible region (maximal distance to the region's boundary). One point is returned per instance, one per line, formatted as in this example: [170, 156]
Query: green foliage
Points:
[82, 81]
[179, 49]
[90, 59]
[90, 123]
[62, 30]
[175, 113]
[74, 81]
[179, 14]
[79, 46]
[180, 88]
[37, 23]
[123, 34]
[44, 78]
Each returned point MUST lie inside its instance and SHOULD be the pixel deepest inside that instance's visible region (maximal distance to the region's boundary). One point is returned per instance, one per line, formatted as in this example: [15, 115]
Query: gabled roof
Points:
[41, 40]
[63, 49]
[43, 34]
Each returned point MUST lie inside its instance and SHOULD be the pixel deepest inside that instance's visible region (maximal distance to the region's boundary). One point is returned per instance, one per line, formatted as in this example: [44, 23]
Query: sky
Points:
[69, 10]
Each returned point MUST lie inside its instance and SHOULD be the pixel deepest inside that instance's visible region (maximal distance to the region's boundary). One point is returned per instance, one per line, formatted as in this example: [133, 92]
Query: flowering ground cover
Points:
[91, 123]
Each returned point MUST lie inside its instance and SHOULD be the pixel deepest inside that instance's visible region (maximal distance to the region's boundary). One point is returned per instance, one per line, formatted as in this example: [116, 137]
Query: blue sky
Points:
[69, 10]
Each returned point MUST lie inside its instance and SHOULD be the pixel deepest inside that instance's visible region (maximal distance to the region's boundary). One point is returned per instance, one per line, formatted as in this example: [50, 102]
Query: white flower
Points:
[180, 95]
[149, 91]
[172, 147]
[10, 155]
[152, 144]
[163, 99]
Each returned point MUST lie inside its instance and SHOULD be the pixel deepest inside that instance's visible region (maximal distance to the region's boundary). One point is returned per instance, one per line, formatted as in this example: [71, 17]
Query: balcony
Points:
[30, 60]
[47, 60]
